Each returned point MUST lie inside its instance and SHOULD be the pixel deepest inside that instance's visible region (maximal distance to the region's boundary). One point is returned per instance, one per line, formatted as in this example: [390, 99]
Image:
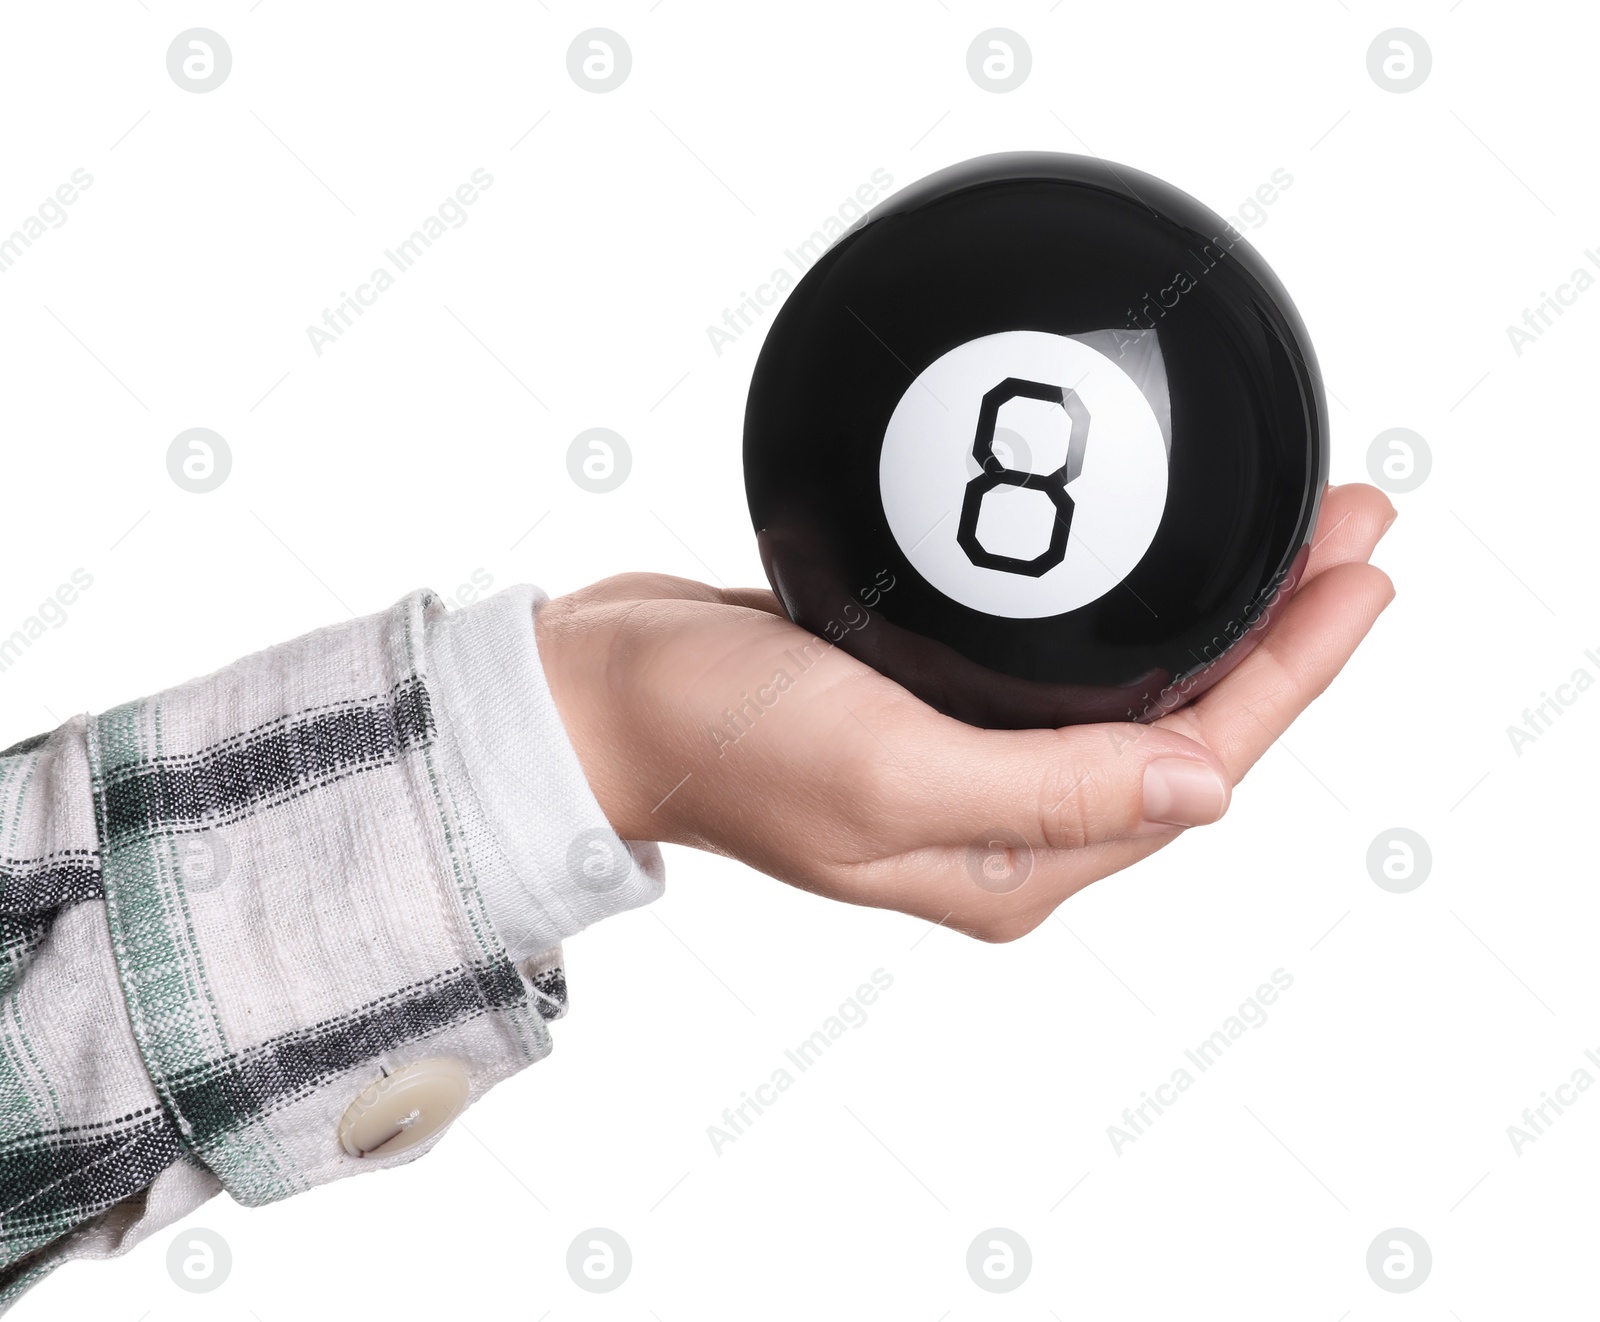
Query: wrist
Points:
[579, 676]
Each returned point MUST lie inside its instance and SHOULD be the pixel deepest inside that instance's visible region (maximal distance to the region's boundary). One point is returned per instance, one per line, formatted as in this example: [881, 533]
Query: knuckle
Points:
[1279, 686]
[876, 781]
[867, 790]
[1070, 807]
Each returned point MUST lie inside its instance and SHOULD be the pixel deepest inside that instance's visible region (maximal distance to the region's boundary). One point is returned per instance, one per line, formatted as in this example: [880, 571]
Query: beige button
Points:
[407, 1107]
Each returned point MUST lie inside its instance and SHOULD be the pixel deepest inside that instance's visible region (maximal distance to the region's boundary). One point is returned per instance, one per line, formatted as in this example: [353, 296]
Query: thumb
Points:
[1068, 788]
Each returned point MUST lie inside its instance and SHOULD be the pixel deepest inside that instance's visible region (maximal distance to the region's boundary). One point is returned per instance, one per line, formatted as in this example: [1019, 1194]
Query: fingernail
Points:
[1388, 525]
[1181, 791]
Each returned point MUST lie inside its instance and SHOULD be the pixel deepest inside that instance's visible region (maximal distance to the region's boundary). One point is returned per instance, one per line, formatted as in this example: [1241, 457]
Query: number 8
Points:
[996, 474]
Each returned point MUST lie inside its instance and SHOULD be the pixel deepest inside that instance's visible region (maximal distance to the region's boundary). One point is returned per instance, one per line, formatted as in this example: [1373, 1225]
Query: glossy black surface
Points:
[1068, 245]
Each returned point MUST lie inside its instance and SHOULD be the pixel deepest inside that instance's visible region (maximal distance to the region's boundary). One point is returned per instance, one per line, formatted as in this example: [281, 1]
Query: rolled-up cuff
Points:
[554, 865]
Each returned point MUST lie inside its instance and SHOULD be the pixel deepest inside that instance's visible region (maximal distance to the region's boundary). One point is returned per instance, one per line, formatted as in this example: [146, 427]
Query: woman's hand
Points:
[704, 717]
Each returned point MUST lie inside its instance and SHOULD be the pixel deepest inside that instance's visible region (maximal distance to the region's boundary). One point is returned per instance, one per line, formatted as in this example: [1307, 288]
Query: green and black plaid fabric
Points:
[226, 909]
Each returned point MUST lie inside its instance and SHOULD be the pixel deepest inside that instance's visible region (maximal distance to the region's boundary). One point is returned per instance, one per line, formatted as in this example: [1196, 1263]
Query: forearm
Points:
[233, 906]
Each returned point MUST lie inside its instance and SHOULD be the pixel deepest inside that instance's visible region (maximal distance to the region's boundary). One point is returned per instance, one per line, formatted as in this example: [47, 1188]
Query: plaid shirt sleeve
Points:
[228, 909]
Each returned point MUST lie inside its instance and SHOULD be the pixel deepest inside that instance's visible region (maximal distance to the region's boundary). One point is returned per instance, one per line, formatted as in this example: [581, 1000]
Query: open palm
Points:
[702, 716]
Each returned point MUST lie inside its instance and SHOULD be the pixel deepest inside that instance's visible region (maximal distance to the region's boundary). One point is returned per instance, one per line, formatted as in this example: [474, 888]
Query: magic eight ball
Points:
[1042, 439]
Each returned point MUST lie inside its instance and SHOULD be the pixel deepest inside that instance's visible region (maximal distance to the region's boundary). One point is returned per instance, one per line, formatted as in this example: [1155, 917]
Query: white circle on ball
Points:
[1118, 493]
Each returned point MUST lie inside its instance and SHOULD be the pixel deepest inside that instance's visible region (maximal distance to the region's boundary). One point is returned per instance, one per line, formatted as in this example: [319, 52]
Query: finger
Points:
[1349, 524]
[754, 599]
[930, 780]
[1297, 659]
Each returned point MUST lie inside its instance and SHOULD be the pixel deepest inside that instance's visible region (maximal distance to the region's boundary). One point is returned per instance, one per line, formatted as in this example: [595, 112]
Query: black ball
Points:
[1042, 439]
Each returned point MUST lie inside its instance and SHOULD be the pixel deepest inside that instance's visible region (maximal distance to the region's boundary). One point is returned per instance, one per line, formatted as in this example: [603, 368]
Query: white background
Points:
[414, 451]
